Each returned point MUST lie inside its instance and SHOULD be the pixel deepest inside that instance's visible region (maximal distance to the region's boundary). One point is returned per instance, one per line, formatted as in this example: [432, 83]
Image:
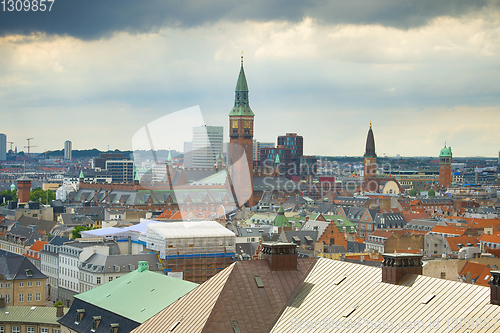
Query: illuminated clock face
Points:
[235, 124]
[247, 124]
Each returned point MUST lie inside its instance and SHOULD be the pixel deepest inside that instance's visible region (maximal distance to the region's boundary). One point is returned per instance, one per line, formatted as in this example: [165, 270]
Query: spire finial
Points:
[370, 124]
[241, 58]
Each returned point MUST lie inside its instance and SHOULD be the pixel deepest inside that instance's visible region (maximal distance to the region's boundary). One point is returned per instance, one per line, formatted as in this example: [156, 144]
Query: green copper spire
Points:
[169, 158]
[277, 159]
[241, 103]
[136, 174]
[280, 220]
[81, 174]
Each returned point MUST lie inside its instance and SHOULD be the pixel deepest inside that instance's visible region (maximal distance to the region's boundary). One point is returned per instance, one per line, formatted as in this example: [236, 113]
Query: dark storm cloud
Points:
[91, 19]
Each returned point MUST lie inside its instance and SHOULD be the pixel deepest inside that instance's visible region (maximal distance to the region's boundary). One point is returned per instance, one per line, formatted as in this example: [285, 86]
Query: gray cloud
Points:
[93, 19]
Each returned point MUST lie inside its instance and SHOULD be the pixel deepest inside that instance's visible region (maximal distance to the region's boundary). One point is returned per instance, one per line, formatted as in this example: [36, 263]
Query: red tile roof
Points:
[408, 216]
[382, 233]
[38, 246]
[449, 230]
[490, 238]
[454, 241]
[478, 272]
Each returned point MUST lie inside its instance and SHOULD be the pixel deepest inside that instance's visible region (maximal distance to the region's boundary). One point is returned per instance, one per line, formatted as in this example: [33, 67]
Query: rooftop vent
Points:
[143, 266]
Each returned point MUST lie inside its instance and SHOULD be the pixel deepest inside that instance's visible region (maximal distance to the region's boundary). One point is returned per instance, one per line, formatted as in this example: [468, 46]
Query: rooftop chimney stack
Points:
[280, 256]
[143, 266]
[60, 311]
[397, 265]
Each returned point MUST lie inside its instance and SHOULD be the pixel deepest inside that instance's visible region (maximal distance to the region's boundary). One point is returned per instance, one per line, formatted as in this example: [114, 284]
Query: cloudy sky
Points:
[95, 72]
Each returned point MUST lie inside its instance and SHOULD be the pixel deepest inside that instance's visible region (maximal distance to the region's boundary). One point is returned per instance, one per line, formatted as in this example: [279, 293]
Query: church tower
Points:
[445, 167]
[370, 163]
[241, 120]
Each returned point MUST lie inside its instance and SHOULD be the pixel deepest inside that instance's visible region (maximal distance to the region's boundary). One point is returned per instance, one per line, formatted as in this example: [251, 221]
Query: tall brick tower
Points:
[445, 167]
[370, 163]
[23, 189]
[241, 120]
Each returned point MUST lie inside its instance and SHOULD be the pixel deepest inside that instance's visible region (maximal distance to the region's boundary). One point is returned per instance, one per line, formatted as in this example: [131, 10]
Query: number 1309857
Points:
[26, 5]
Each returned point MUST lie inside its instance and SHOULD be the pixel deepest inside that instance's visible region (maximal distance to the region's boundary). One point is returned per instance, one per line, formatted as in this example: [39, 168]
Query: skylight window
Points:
[428, 298]
[259, 282]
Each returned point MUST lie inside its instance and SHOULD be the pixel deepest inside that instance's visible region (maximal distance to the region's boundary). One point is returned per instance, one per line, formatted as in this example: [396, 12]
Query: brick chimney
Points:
[60, 311]
[396, 265]
[495, 287]
[280, 256]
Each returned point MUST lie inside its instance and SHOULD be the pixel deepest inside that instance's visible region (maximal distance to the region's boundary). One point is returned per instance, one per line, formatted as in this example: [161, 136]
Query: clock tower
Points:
[241, 120]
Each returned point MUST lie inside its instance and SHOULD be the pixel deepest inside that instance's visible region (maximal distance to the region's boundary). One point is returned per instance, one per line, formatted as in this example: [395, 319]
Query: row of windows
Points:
[49, 269]
[68, 284]
[21, 284]
[29, 284]
[29, 329]
[29, 297]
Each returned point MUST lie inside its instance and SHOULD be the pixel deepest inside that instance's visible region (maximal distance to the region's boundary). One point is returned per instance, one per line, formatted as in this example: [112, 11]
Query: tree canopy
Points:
[45, 197]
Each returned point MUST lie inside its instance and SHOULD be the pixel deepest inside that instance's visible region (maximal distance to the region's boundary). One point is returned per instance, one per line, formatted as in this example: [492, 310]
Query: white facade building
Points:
[99, 269]
[207, 144]
[70, 256]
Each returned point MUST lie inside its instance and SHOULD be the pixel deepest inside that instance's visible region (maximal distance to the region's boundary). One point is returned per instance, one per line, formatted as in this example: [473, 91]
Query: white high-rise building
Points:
[207, 144]
[67, 150]
[3, 147]
[188, 154]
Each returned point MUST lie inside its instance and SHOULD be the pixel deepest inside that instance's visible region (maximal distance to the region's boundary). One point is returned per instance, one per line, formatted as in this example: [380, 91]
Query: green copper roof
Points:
[136, 175]
[81, 174]
[277, 159]
[169, 157]
[241, 104]
[151, 292]
[29, 314]
[445, 152]
[241, 84]
[280, 220]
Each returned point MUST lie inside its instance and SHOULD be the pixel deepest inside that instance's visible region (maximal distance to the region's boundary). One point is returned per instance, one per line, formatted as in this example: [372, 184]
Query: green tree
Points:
[78, 229]
[58, 303]
[413, 193]
[9, 194]
[431, 193]
[45, 197]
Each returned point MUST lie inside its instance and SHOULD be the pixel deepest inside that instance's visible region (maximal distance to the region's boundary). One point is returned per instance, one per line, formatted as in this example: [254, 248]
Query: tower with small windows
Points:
[241, 123]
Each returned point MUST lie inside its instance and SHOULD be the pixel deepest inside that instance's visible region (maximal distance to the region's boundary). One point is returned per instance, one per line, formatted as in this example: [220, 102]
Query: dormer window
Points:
[96, 320]
[113, 328]
[79, 315]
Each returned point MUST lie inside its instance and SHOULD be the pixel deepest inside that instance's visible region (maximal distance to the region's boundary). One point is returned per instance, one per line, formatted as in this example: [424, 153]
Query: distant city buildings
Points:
[257, 146]
[3, 147]
[120, 168]
[67, 150]
[206, 146]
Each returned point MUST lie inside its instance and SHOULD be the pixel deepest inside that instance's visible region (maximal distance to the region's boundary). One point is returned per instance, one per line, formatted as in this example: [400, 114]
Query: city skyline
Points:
[424, 74]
